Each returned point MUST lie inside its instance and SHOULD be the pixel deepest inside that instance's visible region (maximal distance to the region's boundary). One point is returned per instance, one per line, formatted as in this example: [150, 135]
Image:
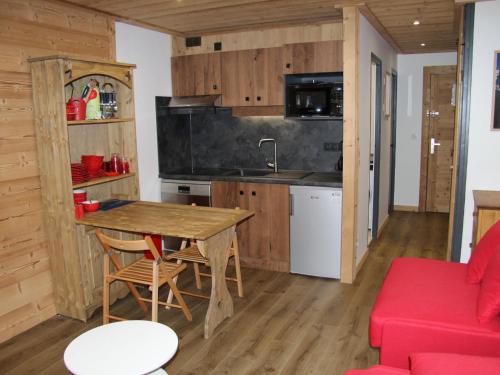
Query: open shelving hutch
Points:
[75, 254]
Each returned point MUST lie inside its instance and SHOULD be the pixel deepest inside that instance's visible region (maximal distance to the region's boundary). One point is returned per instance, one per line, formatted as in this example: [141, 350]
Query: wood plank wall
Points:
[265, 38]
[31, 28]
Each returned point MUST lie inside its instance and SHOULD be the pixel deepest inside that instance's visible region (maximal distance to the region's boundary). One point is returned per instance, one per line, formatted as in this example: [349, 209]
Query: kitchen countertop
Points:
[287, 177]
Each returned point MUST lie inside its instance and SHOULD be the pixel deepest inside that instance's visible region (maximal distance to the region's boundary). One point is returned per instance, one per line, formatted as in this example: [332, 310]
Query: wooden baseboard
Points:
[406, 208]
[363, 260]
[382, 226]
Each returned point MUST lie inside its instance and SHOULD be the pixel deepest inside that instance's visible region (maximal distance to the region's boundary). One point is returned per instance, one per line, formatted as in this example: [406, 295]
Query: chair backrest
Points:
[123, 245]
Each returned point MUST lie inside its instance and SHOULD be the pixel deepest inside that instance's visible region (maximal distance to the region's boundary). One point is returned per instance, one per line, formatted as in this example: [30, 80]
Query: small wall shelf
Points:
[103, 121]
[102, 180]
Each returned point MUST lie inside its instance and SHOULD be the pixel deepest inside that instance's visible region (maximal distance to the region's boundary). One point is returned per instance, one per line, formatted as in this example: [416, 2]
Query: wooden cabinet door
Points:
[316, 57]
[196, 74]
[225, 194]
[255, 232]
[237, 78]
[268, 76]
[279, 220]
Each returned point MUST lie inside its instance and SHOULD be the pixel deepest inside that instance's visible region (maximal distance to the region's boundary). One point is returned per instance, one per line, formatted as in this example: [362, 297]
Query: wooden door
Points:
[196, 74]
[237, 78]
[315, 57]
[268, 76]
[437, 138]
[279, 219]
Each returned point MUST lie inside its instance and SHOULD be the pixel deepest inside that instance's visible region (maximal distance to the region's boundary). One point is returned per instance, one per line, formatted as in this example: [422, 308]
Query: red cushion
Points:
[379, 370]
[431, 292]
[453, 364]
[482, 254]
[488, 304]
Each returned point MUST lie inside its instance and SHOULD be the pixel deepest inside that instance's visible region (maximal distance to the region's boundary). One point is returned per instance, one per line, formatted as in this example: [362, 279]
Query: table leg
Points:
[216, 249]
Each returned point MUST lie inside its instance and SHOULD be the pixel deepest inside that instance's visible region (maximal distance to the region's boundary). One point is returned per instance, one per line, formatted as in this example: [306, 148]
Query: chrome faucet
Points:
[275, 164]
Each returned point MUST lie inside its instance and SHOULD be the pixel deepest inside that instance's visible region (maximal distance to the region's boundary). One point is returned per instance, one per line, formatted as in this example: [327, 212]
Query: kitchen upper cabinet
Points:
[252, 77]
[315, 57]
[264, 239]
[196, 74]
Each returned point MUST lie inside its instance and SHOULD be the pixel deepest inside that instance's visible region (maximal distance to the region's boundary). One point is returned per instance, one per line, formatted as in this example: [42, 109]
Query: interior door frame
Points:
[376, 157]
[424, 147]
[394, 106]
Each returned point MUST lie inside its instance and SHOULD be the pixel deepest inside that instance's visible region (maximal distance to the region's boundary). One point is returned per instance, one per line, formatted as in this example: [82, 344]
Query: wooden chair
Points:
[153, 273]
[189, 252]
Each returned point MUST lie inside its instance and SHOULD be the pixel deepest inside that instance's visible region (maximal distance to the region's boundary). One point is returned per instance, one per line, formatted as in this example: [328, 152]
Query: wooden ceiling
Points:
[195, 17]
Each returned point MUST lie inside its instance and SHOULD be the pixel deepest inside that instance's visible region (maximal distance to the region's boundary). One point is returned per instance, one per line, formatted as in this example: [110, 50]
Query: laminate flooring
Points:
[285, 324]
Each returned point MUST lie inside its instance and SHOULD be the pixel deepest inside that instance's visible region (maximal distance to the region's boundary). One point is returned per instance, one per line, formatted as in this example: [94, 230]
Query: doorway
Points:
[438, 130]
[394, 110]
[375, 126]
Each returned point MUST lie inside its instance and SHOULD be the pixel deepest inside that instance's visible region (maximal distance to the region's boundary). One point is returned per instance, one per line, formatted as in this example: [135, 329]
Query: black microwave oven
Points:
[314, 96]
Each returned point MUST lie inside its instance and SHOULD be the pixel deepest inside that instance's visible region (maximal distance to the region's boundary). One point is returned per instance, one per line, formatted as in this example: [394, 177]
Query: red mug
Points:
[78, 211]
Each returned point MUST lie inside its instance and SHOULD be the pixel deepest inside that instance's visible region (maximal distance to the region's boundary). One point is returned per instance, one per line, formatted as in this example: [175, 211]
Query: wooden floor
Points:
[286, 324]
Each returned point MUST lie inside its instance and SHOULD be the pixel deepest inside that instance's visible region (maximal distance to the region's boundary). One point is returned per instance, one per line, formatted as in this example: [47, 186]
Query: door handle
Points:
[433, 145]
[432, 114]
[291, 204]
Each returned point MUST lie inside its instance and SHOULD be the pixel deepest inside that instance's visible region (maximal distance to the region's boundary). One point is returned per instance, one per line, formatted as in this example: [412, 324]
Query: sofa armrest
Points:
[400, 338]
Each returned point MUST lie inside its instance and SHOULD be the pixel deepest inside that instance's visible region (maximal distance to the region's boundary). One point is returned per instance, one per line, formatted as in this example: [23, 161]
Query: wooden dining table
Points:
[212, 228]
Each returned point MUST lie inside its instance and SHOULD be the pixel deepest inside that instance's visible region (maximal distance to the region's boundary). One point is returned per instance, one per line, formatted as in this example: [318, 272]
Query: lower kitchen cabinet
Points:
[264, 239]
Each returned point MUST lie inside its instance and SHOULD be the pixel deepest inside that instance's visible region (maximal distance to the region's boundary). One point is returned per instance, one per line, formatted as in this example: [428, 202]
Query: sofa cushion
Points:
[488, 304]
[379, 370]
[483, 251]
[456, 364]
[427, 291]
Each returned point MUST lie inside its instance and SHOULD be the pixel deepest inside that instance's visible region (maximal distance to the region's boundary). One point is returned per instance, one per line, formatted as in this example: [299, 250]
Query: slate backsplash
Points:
[215, 139]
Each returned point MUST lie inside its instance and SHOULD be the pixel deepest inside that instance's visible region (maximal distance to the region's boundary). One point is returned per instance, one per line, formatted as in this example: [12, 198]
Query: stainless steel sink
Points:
[269, 174]
[243, 172]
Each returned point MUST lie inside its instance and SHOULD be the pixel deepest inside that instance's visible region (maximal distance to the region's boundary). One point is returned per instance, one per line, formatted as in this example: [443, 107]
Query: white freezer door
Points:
[315, 231]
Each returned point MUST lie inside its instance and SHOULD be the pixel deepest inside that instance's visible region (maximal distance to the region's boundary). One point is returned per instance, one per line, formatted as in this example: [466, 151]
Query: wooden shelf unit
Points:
[75, 254]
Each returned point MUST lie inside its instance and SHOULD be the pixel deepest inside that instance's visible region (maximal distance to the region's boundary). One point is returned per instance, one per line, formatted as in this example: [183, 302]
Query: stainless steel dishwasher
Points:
[184, 192]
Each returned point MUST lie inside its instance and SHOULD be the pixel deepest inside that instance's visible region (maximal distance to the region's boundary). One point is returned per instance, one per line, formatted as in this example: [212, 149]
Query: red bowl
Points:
[90, 206]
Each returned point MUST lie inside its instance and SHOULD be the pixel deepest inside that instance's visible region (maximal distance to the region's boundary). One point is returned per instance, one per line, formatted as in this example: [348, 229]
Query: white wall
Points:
[483, 168]
[409, 122]
[151, 52]
[371, 42]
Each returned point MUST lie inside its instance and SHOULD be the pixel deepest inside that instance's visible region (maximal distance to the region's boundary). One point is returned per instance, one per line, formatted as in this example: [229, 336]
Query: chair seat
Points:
[141, 272]
[189, 254]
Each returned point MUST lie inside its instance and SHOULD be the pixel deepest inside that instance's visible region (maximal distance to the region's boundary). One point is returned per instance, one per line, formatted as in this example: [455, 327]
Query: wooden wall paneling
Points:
[350, 145]
[30, 28]
[266, 38]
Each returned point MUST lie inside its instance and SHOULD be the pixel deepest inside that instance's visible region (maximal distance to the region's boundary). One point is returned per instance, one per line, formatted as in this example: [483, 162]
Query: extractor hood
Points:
[193, 101]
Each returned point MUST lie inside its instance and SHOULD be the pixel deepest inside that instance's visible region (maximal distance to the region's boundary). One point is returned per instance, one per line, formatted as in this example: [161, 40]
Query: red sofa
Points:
[427, 306]
[439, 364]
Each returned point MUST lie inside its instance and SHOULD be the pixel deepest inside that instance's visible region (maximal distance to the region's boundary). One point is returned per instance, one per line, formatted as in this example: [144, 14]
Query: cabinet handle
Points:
[291, 204]
[247, 98]
[215, 87]
[254, 193]
[258, 98]
[288, 65]
[241, 192]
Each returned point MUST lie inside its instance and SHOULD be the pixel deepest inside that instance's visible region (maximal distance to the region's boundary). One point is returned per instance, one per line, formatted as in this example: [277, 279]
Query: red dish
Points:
[111, 174]
[90, 206]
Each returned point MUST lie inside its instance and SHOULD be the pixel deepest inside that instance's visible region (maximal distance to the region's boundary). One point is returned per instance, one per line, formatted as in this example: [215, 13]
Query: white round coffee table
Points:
[132, 347]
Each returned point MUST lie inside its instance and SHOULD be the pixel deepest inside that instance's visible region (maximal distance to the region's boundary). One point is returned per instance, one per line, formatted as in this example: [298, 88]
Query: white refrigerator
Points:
[315, 230]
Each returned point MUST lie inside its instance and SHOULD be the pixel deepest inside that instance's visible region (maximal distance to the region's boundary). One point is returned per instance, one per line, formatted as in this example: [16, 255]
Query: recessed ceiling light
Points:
[422, 44]
[416, 22]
